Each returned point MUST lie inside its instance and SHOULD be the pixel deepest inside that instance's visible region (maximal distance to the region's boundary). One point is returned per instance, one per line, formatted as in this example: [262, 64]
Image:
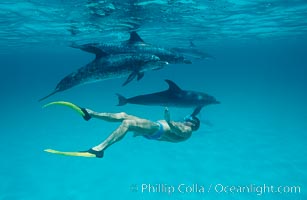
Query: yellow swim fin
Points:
[89, 154]
[81, 111]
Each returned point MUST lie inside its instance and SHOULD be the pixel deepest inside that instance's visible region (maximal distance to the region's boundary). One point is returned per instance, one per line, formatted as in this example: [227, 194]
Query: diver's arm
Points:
[167, 115]
[176, 127]
[180, 129]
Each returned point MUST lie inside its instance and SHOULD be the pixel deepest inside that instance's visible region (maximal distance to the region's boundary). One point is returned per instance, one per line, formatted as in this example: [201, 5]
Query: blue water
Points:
[256, 136]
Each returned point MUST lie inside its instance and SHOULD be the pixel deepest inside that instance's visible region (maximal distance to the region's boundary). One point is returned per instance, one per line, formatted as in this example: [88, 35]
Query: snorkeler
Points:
[161, 130]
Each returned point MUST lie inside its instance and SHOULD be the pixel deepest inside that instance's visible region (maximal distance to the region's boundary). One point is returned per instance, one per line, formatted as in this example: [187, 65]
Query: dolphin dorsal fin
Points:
[173, 86]
[134, 37]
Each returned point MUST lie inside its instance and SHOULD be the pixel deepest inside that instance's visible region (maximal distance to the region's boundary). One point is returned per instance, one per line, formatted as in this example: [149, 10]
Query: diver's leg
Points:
[87, 114]
[111, 117]
[141, 125]
[98, 151]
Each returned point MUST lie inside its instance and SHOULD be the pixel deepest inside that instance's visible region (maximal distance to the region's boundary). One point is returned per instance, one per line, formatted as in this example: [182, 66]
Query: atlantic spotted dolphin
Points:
[135, 44]
[108, 67]
[174, 96]
[193, 52]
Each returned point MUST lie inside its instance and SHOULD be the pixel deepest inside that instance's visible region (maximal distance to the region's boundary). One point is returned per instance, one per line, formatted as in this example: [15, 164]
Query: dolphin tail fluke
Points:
[121, 100]
[55, 91]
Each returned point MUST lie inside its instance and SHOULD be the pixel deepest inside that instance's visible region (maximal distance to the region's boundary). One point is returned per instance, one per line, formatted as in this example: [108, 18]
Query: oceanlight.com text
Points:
[215, 188]
[256, 189]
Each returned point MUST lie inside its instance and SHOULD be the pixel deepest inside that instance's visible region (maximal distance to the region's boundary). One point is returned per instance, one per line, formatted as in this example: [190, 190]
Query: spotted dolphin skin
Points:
[174, 96]
[135, 44]
[109, 67]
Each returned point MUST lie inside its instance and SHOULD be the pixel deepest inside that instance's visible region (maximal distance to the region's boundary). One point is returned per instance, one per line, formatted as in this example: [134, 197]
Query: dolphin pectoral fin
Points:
[130, 78]
[52, 93]
[140, 75]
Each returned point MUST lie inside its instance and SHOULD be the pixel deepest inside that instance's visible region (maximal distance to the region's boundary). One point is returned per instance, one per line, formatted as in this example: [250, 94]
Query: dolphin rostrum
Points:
[174, 96]
[135, 44]
[108, 67]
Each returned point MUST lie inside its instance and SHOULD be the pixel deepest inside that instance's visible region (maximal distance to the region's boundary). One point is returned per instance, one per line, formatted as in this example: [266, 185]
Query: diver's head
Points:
[192, 121]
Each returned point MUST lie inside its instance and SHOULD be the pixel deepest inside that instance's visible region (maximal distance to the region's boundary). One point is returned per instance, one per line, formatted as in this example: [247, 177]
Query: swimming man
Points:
[161, 130]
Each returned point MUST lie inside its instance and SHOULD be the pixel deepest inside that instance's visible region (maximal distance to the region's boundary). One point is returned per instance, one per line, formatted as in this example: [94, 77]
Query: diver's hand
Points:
[167, 116]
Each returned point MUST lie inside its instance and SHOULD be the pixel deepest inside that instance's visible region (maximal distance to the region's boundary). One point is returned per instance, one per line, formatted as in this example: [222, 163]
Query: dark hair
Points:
[195, 121]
